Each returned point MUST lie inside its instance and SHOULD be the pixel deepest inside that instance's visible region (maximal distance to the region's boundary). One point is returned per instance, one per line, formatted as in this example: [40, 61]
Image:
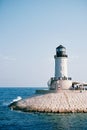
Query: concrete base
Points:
[61, 84]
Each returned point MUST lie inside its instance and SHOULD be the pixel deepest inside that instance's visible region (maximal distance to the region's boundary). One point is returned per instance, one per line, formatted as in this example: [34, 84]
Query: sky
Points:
[30, 31]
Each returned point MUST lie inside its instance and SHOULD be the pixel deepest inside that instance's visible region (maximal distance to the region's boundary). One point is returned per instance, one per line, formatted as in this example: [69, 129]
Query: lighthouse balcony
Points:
[60, 55]
[62, 78]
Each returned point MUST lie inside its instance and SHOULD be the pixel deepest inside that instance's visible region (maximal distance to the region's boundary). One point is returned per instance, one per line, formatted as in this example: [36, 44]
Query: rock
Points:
[61, 102]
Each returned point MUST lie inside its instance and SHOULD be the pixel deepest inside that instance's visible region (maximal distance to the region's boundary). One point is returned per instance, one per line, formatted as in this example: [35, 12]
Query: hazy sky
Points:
[30, 31]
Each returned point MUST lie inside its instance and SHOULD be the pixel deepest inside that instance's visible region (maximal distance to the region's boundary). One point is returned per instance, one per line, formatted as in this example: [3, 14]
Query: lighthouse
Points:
[61, 62]
[60, 79]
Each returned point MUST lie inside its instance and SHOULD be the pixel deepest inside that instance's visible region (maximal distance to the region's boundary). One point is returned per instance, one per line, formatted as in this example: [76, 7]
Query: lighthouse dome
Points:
[61, 51]
[60, 46]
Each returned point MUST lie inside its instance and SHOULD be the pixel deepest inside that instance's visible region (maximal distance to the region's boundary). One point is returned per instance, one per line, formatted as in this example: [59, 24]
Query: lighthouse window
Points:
[62, 49]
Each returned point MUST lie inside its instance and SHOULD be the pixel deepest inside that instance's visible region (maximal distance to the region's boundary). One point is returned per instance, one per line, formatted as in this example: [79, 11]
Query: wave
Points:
[14, 100]
[17, 99]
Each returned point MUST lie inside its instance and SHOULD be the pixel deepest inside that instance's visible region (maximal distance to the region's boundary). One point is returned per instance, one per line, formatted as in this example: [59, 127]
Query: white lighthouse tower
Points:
[61, 62]
[61, 79]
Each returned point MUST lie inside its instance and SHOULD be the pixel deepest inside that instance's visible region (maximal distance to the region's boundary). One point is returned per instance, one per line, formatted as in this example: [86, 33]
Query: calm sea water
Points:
[15, 120]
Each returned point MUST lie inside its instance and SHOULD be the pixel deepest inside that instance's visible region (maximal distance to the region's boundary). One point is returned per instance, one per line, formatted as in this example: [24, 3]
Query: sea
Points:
[17, 120]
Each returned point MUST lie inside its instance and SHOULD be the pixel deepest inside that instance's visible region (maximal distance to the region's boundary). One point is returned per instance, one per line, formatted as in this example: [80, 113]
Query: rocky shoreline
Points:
[65, 101]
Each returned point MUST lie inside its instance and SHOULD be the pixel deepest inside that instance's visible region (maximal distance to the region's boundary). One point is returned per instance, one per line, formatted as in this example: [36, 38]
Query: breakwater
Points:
[62, 102]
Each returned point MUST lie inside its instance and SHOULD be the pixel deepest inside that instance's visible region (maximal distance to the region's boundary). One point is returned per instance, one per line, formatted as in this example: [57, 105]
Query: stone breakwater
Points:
[62, 102]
